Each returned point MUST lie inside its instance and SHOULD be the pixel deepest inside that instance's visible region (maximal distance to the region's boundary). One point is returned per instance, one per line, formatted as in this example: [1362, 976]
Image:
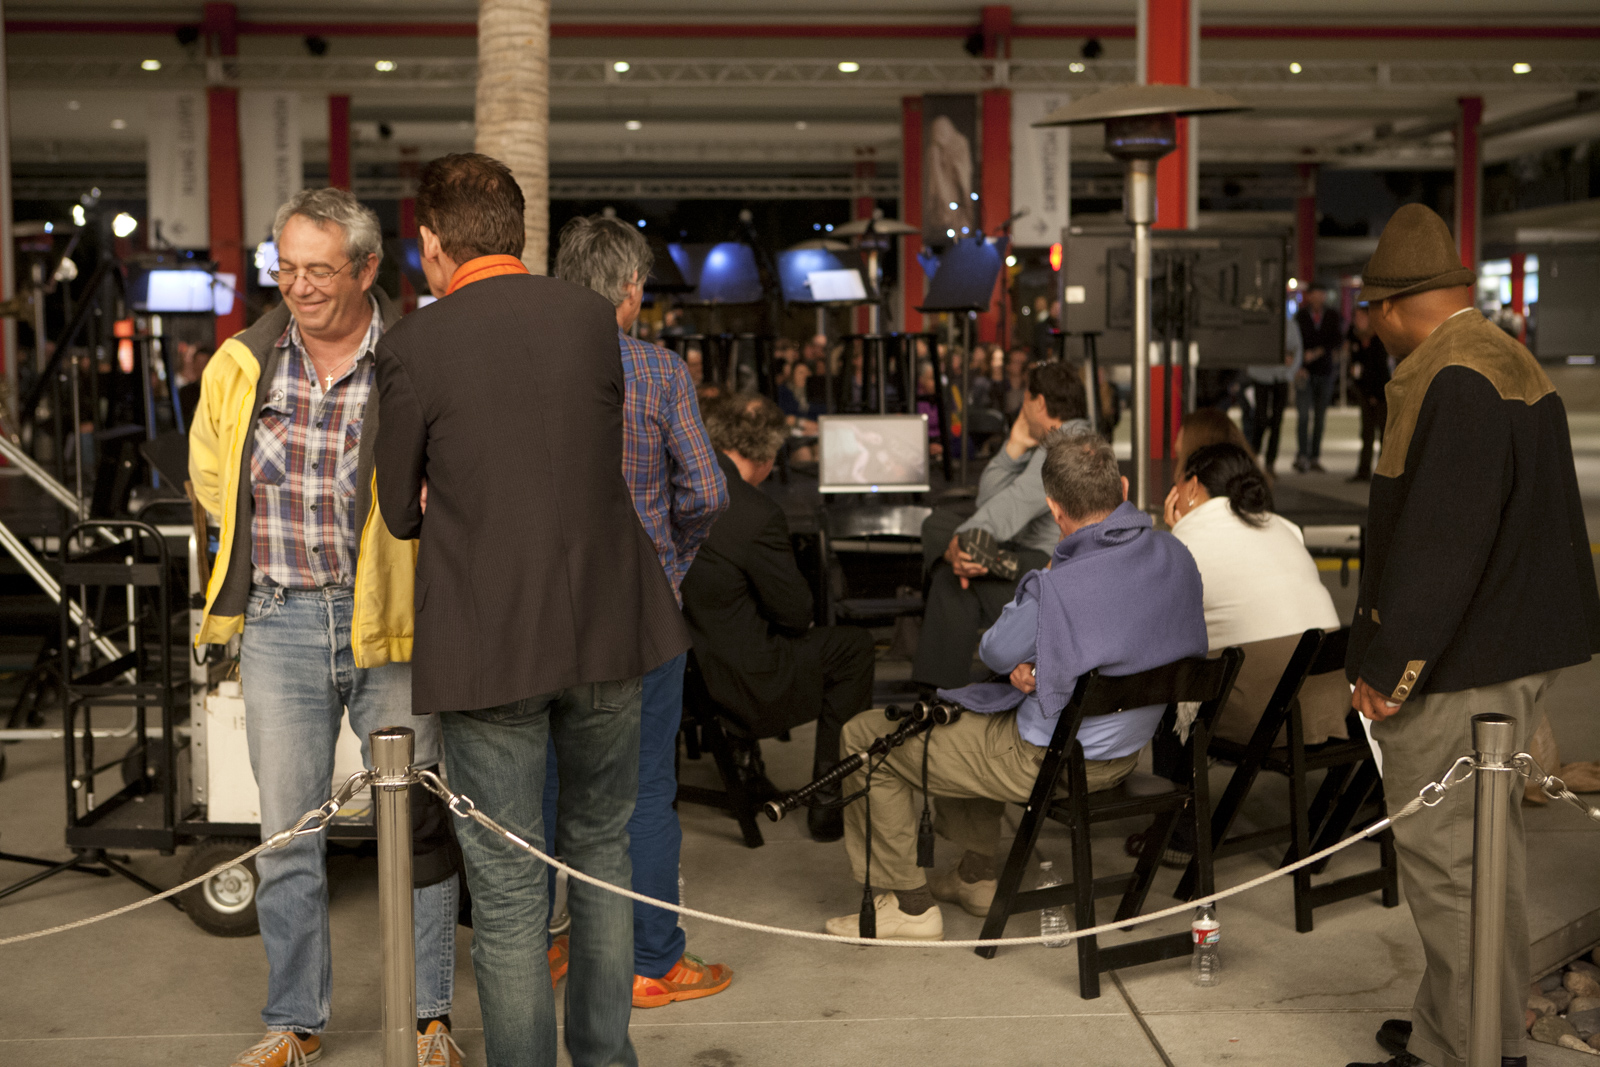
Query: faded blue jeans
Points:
[299, 680]
[654, 836]
[497, 757]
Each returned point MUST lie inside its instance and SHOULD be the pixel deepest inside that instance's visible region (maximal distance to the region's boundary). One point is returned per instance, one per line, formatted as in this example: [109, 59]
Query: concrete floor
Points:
[152, 989]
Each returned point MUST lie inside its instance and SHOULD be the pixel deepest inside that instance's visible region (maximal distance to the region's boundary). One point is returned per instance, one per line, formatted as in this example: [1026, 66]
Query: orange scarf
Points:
[475, 270]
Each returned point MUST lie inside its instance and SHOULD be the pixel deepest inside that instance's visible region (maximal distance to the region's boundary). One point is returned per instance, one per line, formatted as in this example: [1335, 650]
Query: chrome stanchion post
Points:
[391, 764]
[1493, 739]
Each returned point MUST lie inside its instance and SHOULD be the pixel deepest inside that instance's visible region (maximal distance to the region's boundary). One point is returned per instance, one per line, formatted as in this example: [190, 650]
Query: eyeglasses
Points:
[315, 276]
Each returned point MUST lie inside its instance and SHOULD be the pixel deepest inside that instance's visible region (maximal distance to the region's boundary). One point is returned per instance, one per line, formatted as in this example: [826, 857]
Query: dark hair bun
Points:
[1226, 470]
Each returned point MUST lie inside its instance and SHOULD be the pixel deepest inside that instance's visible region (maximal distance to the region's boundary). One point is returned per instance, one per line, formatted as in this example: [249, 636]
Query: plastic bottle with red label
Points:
[1206, 967]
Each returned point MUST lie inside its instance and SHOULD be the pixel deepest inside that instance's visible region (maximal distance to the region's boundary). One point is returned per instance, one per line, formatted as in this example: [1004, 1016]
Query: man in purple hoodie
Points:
[1118, 596]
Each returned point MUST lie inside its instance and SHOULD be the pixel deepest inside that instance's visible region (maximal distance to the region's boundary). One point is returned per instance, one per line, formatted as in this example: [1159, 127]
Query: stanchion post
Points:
[392, 749]
[1493, 739]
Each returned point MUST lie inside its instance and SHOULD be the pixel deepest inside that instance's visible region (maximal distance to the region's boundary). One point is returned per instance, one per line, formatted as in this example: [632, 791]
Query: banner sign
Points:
[1040, 177]
[270, 155]
[179, 203]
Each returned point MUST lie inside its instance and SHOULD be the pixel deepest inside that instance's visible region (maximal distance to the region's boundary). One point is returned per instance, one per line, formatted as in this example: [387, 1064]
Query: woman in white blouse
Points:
[1262, 591]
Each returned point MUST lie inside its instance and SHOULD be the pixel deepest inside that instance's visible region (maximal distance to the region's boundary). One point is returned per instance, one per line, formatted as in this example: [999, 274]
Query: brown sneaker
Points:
[690, 979]
[560, 950]
[281, 1048]
[436, 1048]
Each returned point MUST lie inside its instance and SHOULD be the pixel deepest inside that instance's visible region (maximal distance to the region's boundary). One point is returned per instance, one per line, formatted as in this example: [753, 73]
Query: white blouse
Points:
[1259, 581]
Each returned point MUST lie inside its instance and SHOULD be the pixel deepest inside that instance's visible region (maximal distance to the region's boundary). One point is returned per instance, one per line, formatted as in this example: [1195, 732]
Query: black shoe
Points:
[1359, 477]
[1300, 465]
[1317, 466]
[1403, 1059]
[825, 824]
[1393, 1035]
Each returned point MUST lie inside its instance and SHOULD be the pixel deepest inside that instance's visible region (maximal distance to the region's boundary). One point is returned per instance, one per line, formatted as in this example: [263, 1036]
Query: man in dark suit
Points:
[749, 608]
[540, 600]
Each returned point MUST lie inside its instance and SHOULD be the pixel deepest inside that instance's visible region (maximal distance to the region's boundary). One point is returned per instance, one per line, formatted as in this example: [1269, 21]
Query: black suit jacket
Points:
[534, 572]
[746, 602]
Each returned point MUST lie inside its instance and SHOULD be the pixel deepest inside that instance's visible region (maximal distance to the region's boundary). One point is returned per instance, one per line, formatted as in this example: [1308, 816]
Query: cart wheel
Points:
[224, 904]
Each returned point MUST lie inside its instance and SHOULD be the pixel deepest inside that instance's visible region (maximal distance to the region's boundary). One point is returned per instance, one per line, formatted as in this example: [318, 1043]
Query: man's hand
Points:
[1314, 354]
[1021, 439]
[962, 563]
[423, 498]
[1025, 677]
[1169, 510]
[1369, 702]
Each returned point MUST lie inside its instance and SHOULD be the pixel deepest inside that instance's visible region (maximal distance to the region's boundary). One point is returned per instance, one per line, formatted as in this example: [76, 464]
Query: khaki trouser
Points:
[1435, 854]
[975, 765]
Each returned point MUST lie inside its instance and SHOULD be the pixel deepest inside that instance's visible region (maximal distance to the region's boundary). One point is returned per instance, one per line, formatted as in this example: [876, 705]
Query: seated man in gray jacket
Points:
[963, 599]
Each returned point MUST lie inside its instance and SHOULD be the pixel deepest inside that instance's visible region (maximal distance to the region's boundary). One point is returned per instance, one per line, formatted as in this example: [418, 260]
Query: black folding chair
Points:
[1351, 784]
[1206, 681]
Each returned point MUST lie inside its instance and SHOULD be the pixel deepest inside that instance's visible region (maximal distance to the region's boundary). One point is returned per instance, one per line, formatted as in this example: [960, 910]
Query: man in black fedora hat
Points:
[1476, 589]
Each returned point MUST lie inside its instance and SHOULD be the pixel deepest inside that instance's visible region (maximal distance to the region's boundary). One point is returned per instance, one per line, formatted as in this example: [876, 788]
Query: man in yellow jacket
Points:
[281, 457]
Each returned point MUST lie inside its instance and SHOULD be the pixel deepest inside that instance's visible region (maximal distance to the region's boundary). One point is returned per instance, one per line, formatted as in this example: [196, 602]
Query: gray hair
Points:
[363, 236]
[1080, 473]
[604, 254]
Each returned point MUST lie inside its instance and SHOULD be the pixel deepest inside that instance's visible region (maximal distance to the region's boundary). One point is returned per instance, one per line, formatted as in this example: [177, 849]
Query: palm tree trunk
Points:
[513, 107]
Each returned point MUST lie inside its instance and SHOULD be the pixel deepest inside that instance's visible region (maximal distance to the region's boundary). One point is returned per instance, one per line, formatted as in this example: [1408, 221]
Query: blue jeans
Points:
[299, 680]
[1312, 398]
[497, 758]
[654, 836]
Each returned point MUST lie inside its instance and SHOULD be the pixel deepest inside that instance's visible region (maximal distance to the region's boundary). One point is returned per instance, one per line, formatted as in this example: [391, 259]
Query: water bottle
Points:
[1053, 924]
[1207, 931]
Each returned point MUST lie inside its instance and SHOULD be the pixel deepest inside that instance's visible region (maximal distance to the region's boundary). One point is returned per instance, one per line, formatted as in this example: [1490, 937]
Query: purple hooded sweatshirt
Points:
[1119, 595]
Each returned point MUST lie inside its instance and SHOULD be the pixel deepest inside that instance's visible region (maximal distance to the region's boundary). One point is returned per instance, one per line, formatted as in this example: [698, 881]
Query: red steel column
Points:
[1305, 226]
[911, 276]
[1519, 291]
[994, 197]
[220, 26]
[339, 141]
[1469, 185]
[1167, 51]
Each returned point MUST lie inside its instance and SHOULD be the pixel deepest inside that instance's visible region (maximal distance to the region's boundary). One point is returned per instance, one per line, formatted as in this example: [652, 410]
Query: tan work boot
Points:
[281, 1048]
[893, 924]
[974, 897]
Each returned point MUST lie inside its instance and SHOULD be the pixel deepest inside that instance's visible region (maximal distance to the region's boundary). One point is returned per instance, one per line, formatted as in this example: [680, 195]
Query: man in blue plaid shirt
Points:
[678, 491]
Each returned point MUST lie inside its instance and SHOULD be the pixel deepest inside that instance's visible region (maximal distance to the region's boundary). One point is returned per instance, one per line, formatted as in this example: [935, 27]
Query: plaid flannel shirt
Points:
[303, 468]
[667, 458]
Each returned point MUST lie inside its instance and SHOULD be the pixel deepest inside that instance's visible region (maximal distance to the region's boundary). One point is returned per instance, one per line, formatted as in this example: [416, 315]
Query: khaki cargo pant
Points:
[1435, 855]
[975, 766]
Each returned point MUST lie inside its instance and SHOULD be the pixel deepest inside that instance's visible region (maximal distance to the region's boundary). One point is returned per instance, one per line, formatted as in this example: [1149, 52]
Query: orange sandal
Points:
[690, 979]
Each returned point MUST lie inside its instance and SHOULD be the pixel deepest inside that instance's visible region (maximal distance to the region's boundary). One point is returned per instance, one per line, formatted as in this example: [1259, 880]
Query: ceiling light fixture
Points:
[633, 124]
[150, 64]
[119, 124]
[800, 125]
[1076, 68]
[124, 224]
[849, 66]
[383, 65]
[1294, 68]
[1522, 68]
[621, 66]
[79, 218]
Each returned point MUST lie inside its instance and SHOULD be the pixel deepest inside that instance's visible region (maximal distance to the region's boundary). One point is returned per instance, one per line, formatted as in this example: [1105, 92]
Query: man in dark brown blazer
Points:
[540, 601]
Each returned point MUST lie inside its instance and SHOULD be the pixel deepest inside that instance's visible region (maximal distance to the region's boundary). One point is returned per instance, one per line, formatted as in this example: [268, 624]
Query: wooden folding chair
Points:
[1206, 681]
[1352, 782]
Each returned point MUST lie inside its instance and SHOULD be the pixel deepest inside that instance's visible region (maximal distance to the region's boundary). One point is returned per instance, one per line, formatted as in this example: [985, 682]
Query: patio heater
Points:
[1141, 127]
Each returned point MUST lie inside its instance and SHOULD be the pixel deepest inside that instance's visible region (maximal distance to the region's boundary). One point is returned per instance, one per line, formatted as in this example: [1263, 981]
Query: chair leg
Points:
[1144, 872]
[1244, 776]
[738, 797]
[1083, 907]
[1010, 883]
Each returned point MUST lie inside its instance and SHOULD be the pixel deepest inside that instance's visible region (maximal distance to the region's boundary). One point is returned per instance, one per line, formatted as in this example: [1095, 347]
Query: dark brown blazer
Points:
[534, 572]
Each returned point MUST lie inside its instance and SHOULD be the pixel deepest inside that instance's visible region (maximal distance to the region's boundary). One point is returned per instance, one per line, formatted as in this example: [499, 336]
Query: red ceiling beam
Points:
[812, 30]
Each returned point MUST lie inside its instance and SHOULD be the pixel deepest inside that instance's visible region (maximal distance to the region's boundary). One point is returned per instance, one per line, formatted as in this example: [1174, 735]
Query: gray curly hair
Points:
[363, 236]
[604, 254]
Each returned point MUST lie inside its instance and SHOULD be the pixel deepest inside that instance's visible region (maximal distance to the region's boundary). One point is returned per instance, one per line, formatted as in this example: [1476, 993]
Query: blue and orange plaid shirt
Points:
[667, 458]
[303, 467]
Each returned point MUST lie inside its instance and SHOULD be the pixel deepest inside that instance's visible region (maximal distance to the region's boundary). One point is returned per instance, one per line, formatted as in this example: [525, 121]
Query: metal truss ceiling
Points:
[1252, 77]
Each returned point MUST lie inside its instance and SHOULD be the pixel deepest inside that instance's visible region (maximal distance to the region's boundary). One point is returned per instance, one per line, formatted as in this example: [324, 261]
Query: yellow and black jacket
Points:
[1477, 567]
[220, 440]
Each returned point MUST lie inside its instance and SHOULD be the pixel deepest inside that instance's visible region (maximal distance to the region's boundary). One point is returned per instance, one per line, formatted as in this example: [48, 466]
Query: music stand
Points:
[964, 283]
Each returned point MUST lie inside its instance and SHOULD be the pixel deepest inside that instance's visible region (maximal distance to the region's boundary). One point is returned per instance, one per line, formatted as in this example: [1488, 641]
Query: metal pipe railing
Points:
[392, 749]
[1494, 741]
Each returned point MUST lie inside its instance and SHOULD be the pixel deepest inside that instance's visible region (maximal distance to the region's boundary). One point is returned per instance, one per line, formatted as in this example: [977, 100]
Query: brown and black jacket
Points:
[1477, 567]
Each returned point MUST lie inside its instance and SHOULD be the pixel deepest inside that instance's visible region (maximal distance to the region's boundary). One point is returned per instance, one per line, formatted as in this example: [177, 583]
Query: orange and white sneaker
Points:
[690, 979]
[436, 1048]
[281, 1048]
[560, 950]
